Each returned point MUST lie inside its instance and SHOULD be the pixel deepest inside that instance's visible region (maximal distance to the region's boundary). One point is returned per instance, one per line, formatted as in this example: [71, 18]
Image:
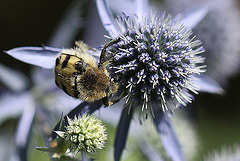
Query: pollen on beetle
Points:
[156, 61]
[85, 134]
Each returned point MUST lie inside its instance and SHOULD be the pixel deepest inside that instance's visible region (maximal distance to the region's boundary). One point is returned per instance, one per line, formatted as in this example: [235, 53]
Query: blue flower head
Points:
[155, 62]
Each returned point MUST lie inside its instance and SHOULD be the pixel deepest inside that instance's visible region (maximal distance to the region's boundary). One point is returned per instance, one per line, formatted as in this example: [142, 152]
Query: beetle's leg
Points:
[104, 51]
[106, 101]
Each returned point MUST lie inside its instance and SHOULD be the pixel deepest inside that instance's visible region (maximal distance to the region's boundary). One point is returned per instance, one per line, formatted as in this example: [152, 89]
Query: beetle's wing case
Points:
[65, 74]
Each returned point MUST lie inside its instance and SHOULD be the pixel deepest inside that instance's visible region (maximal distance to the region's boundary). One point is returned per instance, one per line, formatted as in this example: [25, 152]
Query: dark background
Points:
[27, 23]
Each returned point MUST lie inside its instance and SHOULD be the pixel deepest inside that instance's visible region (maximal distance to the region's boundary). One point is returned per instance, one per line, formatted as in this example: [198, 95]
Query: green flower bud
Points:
[85, 134]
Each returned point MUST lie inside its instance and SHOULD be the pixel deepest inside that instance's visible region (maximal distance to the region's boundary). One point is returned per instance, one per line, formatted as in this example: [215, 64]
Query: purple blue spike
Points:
[152, 66]
[144, 58]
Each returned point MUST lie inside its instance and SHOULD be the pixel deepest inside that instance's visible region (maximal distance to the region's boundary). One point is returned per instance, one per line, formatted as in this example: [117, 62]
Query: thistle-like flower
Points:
[156, 62]
[231, 153]
[85, 134]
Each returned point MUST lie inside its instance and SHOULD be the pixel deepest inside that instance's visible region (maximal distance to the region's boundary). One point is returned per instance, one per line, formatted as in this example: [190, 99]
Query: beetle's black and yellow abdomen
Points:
[66, 74]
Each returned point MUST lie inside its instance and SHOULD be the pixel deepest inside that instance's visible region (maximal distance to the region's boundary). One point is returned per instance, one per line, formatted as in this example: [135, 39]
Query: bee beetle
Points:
[78, 74]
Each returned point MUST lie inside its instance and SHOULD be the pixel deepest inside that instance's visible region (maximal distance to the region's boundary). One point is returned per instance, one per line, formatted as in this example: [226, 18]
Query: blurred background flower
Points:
[225, 153]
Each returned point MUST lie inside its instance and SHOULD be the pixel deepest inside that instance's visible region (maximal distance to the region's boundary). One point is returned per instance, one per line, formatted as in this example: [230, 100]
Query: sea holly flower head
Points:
[84, 134]
[155, 61]
[225, 153]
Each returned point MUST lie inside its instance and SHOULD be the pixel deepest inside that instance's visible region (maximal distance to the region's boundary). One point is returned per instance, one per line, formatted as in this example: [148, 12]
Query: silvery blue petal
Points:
[167, 135]
[93, 39]
[207, 84]
[24, 130]
[149, 151]
[107, 18]
[126, 6]
[12, 105]
[61, 101]
[14, 80]
[39, 56]
[142, 8]
[112, 115]
[122, 132]
[40, 76]
[193, 17]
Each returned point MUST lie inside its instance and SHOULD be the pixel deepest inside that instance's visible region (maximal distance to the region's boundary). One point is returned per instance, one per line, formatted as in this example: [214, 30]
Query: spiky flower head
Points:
[85, 134]
[155, 61]
[231, 153]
